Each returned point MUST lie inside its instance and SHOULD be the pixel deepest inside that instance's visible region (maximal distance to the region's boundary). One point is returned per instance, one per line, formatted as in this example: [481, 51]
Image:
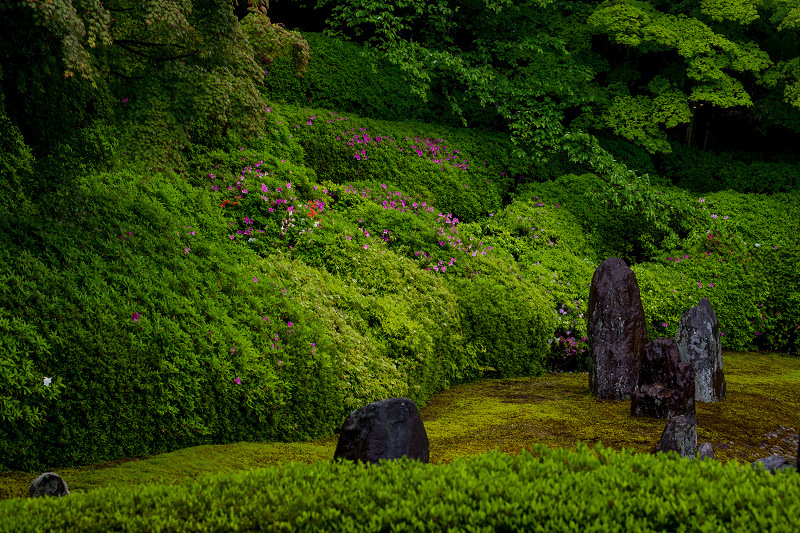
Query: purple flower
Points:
[255, 280]
[238, 380]
[289, 324]
[136, 317]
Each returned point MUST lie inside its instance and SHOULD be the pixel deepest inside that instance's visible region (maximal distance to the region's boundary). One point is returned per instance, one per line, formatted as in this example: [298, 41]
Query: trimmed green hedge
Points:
[545, 490]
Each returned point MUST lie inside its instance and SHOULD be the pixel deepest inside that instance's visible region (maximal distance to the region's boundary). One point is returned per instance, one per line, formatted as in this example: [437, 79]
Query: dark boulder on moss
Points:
[48, 484]
[666, 386]
[388, 429]
[616, 330]
[680, 436]
[699, 344]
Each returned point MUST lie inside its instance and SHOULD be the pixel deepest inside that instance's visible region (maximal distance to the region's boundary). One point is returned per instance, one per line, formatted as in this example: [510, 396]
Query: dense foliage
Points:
[544, 489]
[190, 257]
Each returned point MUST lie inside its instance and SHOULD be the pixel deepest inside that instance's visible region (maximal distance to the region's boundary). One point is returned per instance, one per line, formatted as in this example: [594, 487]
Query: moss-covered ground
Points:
[759, 417]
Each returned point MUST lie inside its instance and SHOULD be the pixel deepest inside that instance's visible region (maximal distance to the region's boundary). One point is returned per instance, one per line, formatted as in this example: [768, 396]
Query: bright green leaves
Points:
[740, 11]
[708, 56]
[638, 118]
[786, 14]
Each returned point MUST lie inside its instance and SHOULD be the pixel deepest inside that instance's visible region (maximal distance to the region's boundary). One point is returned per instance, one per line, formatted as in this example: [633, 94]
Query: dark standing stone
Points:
[666, 386]
[679, 435]
[388, 429]
[772, 464]
[699, 344]
[617, 332]
[705, 451]
[48, 484]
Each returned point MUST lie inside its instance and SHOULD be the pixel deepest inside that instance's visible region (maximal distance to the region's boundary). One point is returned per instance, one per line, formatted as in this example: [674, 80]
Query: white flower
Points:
[757, 245]
[47, 381]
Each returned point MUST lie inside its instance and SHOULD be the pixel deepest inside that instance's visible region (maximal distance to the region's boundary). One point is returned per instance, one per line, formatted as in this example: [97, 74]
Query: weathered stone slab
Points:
[617, 332]
[679, 435]
[388, 429]
[48, 484]
[699, 344]
[773, 464]
[666, 386]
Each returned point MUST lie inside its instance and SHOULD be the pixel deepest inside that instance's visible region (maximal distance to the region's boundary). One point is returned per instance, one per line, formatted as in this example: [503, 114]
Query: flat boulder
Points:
[617, 332]
[699, 343]
[48, 484]
[773, 464]
[388, 429]
[666, 385]
[680, 436]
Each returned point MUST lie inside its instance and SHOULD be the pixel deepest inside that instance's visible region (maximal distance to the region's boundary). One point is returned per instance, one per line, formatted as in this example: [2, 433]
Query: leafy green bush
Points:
[551, 251]
[467, 173]
[544, 489]
[507, 319]
[157, 332]
[613, 231]
[751, 285]
[342, 77]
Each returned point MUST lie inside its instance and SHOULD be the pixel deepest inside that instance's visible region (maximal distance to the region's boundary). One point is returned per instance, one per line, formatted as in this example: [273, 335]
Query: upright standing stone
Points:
[48, 484]
[679, 435]
[666, 386]
[388, 429]
[699, 344]
[617, 332]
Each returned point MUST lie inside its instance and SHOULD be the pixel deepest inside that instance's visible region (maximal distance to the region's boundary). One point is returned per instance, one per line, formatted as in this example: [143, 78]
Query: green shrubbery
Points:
[288, 279]
[545, 489]
[342, 77]
[705, 172]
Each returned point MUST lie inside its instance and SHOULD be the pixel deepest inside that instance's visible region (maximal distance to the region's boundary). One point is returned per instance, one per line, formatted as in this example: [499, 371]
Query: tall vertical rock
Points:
[699, 344]
[616, 330]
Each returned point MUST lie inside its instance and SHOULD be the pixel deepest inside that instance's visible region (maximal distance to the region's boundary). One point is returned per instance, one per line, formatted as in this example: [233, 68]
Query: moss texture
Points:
[759, 415]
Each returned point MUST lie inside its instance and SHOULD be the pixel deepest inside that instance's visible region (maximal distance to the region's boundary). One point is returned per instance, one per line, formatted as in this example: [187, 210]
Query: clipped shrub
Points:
[705, 172]
[544, 489]
[463, 172]
[551, 251]
[741, 254]
[342, 76]
[153, 327]
[507, 319]
[612, 231]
